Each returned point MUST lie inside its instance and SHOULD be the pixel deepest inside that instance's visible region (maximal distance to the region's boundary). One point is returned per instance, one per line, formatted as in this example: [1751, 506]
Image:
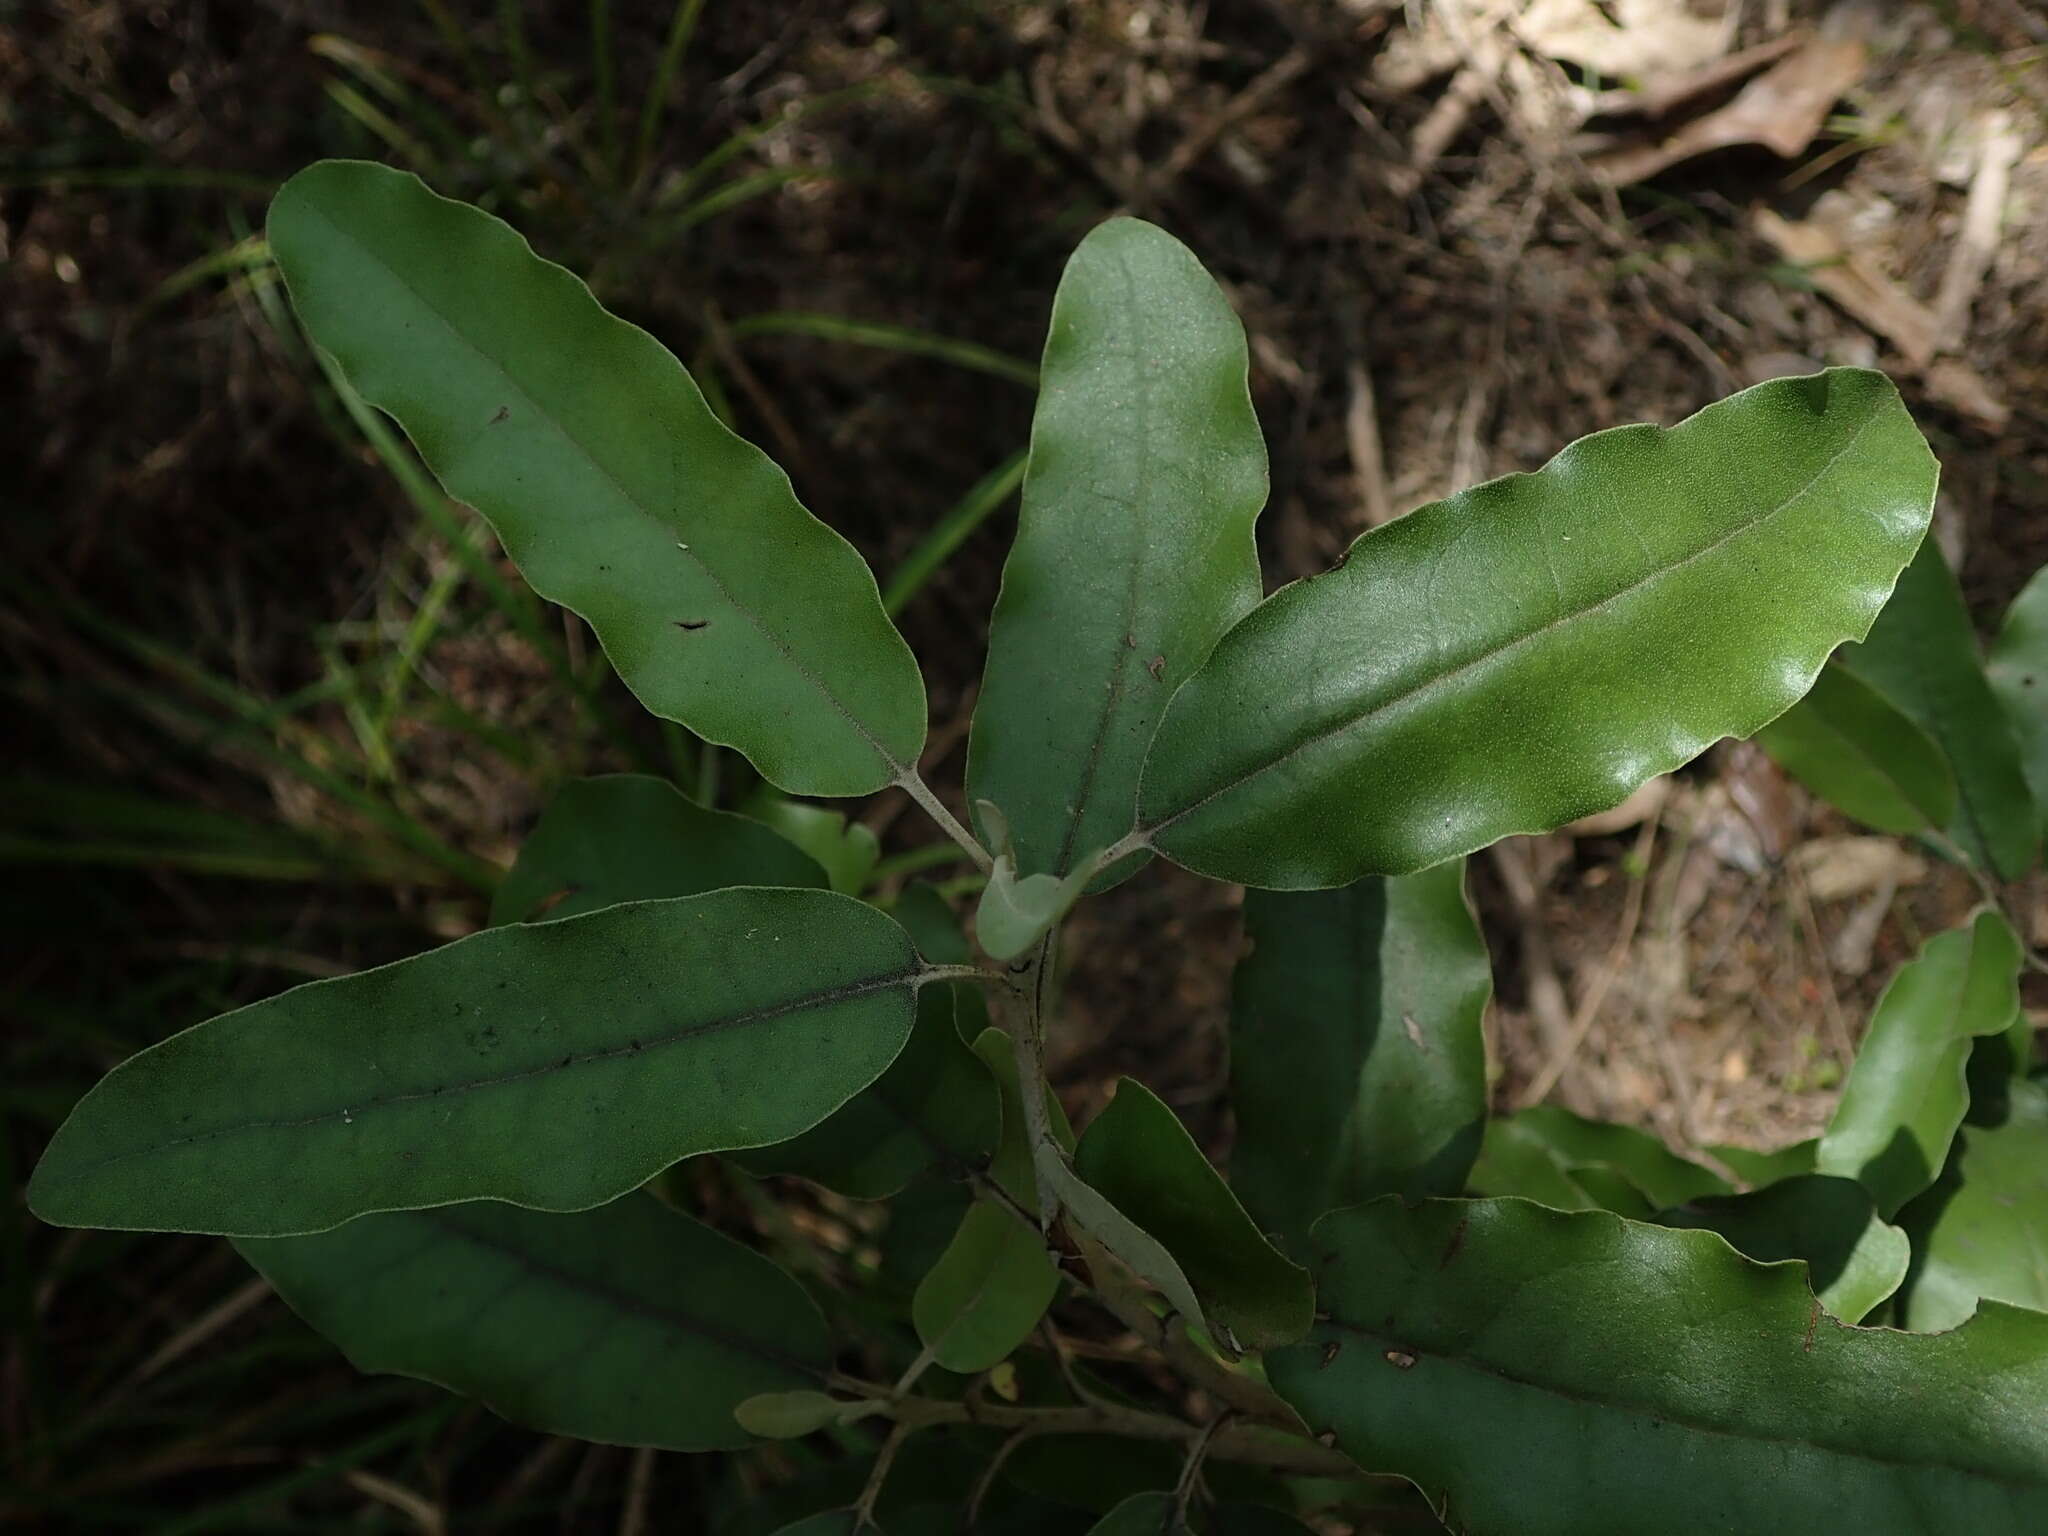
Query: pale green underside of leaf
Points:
[1357, 1066]
[553, 1065]
[1907, 1091]
[1531, 650]
[2018, 669]
[1134, 547]
[1922, 655]
[1848, 744]
[723, 604]
[1141, 1159]
[1982, 1230]
[1540, 1373]
[628, 1324]
[632, 837]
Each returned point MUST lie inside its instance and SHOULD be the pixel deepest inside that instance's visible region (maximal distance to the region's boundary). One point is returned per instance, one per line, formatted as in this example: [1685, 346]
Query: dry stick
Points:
[639, 1487]
[1546, 993]
[1269, 82]
[1982, 216]
[1589, 1005]
[1368, 455]
[987, 1480]
[1252, 1444]
[1659, 1019]
[415, 1507]
[864, 1510]
[1831, 1005]
[1191, 1472]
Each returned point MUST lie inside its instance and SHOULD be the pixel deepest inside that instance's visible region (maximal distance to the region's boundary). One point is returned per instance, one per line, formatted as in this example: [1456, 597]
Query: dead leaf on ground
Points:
[1782, 109]
[1623, 38]
[1837, 868]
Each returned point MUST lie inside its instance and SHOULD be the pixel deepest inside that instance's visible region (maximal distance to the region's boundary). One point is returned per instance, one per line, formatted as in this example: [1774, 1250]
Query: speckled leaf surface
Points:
[1357, 1065]
[1543, 1373]
[1134, 540]
[629, 1324]
[1922, 655]
[721, 601]
[1531, 650]
[552, 1065]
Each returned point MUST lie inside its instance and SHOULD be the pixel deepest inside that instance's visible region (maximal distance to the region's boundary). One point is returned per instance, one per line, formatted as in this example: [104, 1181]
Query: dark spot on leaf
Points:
[1157, 667]
[1330, 1354]
[1457, 1241]
[503, 412]
[1400, 1360]
[693, 625]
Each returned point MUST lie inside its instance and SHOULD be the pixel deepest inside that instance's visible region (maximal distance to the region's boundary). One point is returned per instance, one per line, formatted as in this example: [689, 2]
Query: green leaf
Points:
[1542, 1373]
[995, 1279]
[987, 1292]
[553, 1065]
[847, 850]
[936, 1108]
[1015, 914]
[1981, 1232]
[1855, 1258]
[934, 927]
[792, 1415]
[1531, 650]
[722, 603]
[1922, 655]
[1548, 1154]
[1093, 1215]
[1849, 745]
[630, 837]
[2018, 671]
[1762, 1169]
[630, 1323]
[1357, 1066]
[1144, 1514]
[1140, 1158]
[1907, 1091]
[1134, 547]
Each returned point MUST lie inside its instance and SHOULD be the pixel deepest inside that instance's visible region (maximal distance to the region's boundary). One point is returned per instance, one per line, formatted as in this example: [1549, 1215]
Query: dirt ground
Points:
[1460, 235]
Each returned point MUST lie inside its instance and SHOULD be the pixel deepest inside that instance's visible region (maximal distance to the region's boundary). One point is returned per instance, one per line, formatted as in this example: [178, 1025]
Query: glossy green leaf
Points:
[1907, 1091]
[1357, 1065]
[1982, 1230]
[1855, 1258]
[1140, 1158]
[2018, 670]
[1548, 1154]
[629, 1323]
[1544, 1373]
[995, 1279]
[1849, 745]
[723, 604]
[935, 1109]
[553, 1065]
[1531, 650]
[1922, 655]
[631, 837]
[1134, 547]
[845, 849]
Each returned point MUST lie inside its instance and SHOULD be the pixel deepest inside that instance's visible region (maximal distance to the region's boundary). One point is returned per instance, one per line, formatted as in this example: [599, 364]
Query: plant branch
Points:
[912, 784]
[1252, 1444]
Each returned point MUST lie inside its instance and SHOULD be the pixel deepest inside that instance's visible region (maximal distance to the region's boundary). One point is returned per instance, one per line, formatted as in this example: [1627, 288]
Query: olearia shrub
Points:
[464, 1166]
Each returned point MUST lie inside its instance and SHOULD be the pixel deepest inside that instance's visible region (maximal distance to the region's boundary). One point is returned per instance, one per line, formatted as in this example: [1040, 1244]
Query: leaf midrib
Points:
[681, 1322]
[1444, 679]
[896, 767]
[569, 1063]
